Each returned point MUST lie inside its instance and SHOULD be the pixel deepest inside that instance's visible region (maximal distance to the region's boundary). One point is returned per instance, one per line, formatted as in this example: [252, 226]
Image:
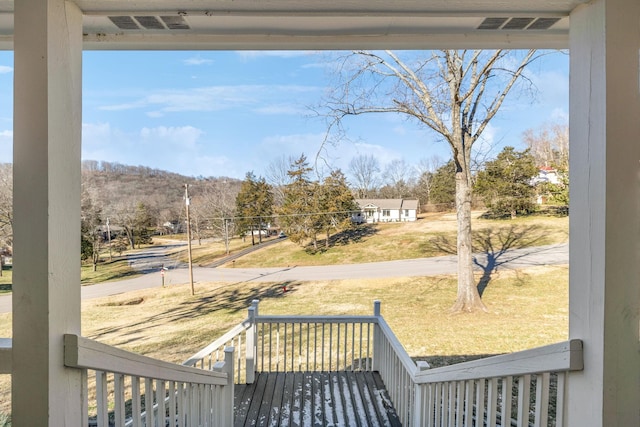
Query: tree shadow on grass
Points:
[344, 237]
[226, 298]
[493, 244]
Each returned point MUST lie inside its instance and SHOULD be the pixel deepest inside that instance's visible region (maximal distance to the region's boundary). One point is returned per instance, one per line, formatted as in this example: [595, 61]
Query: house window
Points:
[406, 212]
[385, 212]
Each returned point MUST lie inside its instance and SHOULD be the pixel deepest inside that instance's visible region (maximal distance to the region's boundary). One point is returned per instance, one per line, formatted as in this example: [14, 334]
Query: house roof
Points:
[388, 203]
[283, 24]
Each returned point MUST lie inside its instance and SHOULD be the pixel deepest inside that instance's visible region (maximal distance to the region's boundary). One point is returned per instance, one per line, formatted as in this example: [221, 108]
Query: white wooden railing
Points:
[520, 389]
[123, 386]
[527, 388]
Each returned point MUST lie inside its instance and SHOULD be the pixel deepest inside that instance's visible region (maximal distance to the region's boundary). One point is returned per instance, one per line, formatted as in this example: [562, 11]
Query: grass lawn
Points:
[432, 235]
[6, 280]
[527, 308]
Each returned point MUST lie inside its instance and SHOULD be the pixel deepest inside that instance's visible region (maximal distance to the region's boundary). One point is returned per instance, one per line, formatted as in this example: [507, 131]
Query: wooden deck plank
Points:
[382, 396]
[278, 400]
[310, 399]
[256, 400]
[363, 399]
[298, 397]
[287, 401]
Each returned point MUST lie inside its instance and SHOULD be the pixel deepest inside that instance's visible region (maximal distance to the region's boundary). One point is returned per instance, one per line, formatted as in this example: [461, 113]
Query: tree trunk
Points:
[468, 298]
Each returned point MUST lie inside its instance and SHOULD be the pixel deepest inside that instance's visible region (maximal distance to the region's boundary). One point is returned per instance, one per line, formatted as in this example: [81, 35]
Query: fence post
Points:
[251, 346]
[226, 406]
[420, 399]
[377, 338]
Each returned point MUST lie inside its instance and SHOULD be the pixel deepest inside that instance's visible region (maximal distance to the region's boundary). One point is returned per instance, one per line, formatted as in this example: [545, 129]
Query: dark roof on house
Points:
[388, 203]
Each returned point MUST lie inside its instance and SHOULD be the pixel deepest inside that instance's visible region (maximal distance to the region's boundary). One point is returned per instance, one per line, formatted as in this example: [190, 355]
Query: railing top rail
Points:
[5, 355]
[235, 331]
[316, 319]
[80, 352]
[563, 356]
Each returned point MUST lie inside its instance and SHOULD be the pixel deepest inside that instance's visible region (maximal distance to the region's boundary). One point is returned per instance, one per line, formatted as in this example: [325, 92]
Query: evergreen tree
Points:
[337, 204]
[505, 184]
[443, 185]
[298, 207]
[254, 206]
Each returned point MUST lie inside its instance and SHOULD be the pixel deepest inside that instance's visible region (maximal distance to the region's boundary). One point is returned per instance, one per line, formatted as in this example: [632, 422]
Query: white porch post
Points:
[605, 212]
[46, 280]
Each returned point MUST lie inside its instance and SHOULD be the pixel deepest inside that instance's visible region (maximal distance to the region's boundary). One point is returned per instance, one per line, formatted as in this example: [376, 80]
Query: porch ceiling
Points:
[313, 24]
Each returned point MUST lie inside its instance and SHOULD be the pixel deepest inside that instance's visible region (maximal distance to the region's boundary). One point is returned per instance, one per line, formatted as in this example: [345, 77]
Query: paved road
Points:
[513, 259]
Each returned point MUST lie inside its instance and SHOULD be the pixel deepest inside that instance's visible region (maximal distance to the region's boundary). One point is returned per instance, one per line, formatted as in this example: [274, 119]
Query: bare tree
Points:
[277, 175]
[365, 170]
[455, 93]
[426, 168]
[400, 177]
[6, 211]
[549, 145]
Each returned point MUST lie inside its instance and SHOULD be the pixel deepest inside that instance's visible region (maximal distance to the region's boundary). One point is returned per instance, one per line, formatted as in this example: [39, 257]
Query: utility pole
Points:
[187, 202]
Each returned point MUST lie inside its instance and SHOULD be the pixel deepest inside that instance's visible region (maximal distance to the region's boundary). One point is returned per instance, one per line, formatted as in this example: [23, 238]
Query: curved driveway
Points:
[512, 259]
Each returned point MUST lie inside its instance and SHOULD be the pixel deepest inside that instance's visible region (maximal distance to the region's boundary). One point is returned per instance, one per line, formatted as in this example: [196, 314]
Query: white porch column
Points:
[46, 280]
[605, 212]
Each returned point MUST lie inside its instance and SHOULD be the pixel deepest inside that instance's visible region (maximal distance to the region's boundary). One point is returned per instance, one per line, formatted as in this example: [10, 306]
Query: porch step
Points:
[304, 399]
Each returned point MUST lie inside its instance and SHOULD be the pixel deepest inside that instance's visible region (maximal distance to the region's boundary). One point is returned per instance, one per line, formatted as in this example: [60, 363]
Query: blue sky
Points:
[226, 113]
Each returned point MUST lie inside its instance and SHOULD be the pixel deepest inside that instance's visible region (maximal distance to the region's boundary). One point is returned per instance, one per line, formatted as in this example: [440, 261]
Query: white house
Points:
[386, 210]
[49, 36]
[546, 174]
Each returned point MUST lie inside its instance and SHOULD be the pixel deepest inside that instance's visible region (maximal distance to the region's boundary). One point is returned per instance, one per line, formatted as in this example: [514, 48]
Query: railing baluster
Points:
[542, 399]
[172, 404]
[284, 346]
[102, 394]
[480, 384]
[307, 355]
[437, 404]
[460, 394]
[148, 402]
[278, 348]
[360, 348]
[524, 390]
[507, 393]
[330, 345]
[338, 347]
[492, 402]
[161, 401]
[182, 412]
[353, 346]
[561, 390]
[468, 407]
[322, 348]
[118, 400]
[270, 345]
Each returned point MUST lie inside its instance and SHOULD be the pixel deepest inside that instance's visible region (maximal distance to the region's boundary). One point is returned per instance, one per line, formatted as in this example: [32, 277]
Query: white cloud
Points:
[5, 69]
[283, 109]
[197, 60]
[184, 137]
[218, 98]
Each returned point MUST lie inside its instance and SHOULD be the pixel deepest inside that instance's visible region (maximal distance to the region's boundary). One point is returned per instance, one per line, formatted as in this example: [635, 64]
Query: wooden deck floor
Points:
[305, 399]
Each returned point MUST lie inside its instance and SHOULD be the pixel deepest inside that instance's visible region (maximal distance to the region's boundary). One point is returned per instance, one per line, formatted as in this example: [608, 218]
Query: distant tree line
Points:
[127, 205]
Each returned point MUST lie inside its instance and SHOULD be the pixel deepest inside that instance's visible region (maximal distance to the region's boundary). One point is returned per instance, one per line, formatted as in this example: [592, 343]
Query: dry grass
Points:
[527, 308]
[432, 235]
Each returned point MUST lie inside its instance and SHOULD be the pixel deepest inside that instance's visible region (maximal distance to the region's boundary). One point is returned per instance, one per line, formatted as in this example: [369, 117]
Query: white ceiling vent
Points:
[150, 22]
[520, 23]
